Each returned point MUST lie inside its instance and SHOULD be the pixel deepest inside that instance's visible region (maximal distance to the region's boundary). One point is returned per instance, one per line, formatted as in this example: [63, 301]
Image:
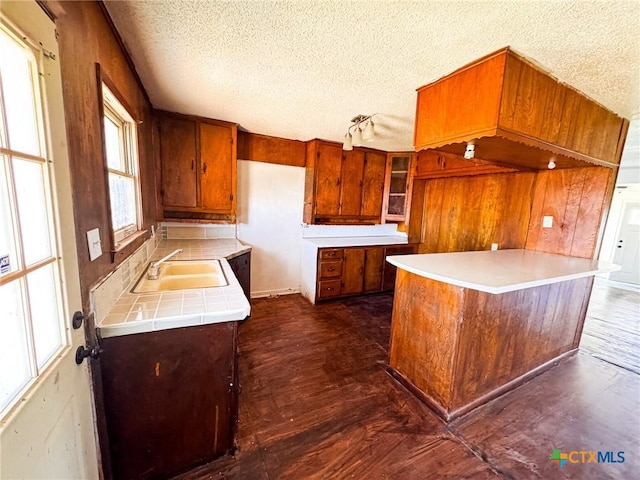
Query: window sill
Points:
[122, 245]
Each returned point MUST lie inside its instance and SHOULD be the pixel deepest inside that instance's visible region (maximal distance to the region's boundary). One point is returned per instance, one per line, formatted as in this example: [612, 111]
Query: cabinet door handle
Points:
[193, 164]
[204, 168]
[331, 269]
[329, 288]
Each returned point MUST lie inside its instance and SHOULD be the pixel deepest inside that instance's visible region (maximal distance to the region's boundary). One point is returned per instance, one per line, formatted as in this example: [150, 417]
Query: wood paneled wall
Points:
[577, 198]
[471, 213]
[86, 38]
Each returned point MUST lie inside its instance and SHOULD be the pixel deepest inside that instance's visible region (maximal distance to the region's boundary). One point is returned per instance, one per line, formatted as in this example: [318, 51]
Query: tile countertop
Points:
[328, 242]
[500, 271]
[148, 312]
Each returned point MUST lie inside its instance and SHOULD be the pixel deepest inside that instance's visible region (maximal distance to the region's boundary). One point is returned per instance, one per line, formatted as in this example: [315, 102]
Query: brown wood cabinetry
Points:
[355, 270]
[343, 187]
[397, 186]
[516, 114]
[197, 167]
[436, 164]
[373, 267]
[178, 162]
[390, 271]
[170, 398]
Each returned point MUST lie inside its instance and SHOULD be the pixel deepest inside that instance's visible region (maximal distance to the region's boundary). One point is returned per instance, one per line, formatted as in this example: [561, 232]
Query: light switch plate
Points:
[547, 221]
[95, 245]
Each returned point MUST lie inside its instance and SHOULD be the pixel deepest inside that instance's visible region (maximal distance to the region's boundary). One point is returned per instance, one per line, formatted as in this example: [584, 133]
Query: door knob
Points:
[82, 353]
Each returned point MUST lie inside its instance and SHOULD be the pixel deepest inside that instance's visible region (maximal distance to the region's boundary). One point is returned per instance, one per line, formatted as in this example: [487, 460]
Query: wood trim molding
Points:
[123, 47]
[264, 148]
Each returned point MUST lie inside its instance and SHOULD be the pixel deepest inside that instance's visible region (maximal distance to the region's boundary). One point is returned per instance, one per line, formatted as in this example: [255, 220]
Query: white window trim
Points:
[115, 111]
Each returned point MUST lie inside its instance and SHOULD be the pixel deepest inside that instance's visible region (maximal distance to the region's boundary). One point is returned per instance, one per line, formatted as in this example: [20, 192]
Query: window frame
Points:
[20, 274]
[117, 111]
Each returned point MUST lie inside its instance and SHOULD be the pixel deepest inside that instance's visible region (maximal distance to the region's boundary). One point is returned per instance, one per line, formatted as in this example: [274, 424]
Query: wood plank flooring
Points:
[612, 328]
[316, 403]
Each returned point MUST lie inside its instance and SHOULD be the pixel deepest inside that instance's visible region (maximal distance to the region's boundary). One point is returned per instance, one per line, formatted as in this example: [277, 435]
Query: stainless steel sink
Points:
[183, 275]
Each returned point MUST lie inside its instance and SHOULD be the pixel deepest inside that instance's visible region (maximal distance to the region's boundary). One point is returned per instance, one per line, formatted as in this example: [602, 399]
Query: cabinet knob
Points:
[331, 269]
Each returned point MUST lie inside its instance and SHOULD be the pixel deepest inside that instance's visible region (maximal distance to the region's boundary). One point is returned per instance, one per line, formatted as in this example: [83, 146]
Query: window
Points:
[120, 141]
[31, 323]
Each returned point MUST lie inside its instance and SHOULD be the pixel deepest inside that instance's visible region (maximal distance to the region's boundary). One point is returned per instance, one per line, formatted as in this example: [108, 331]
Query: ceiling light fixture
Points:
[359, 136]
[552, 164]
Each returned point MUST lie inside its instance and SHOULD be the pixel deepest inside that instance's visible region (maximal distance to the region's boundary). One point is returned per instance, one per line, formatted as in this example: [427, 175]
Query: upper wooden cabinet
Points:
[197, 167]
[517, 114]
[178, 162]
[343, 187]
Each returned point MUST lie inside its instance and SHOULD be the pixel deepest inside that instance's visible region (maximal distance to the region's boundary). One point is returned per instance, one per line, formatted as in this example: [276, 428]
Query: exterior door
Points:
[627, 252]
[46, 419]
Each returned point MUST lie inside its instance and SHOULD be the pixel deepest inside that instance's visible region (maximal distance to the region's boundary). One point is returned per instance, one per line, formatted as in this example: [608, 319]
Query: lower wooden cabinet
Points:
[351, 271]
[241, 266]
[170, 398]
[389, 275]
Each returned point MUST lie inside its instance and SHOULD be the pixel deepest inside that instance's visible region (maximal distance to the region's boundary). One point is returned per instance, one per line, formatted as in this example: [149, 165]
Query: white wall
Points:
[269, 218]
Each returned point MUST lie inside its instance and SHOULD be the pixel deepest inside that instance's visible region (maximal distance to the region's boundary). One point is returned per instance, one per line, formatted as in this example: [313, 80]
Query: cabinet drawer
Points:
[331, 253]
[329, 288]
[330, 269]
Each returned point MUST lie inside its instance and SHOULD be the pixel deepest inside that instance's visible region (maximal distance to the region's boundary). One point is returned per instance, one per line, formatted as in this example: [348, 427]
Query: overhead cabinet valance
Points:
[515, 113]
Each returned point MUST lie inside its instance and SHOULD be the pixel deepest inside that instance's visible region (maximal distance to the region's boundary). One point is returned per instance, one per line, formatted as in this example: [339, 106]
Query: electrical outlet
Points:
[494, 246]
[547, 221]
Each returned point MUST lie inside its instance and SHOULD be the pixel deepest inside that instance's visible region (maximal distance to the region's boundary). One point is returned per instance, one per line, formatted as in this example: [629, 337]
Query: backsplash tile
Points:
[105, 294]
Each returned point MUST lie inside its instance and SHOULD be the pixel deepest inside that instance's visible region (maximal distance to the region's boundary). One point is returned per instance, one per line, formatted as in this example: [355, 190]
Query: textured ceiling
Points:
[303, 69]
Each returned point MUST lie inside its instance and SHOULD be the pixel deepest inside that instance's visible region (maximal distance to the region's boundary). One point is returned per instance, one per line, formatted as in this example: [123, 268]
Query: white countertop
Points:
[500, 271]
[328, 242]
[148, 312]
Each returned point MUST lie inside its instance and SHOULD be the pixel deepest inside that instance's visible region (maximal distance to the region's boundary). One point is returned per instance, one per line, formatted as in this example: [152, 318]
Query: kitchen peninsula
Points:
[470, 326]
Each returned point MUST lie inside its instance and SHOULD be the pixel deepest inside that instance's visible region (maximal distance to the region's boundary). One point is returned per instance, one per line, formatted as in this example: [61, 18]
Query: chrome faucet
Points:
[155, 266]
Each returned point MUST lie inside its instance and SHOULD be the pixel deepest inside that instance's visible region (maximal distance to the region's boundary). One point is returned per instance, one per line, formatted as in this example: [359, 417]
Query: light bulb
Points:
[368, 133]
[357, 137]
[348, 142]
[551, 164]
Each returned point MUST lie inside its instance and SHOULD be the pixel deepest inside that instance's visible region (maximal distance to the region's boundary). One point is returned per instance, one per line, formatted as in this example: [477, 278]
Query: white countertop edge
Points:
[398, 262]
[166, 323]
[329, 242]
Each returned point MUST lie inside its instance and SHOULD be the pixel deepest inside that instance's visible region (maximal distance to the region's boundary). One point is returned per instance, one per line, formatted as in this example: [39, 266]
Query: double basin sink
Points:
[183, 275]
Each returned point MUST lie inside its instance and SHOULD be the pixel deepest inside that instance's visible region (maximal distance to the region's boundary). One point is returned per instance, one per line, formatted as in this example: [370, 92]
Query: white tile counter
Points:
[500, 271]
[148, 312]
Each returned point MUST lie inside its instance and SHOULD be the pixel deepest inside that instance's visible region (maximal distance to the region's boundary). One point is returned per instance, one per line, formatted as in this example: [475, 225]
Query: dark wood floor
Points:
[317, 403]
[612, 328]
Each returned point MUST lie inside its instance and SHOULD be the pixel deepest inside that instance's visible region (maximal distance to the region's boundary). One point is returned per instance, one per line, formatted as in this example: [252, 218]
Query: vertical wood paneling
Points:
[576, 199]
[471, 213]
[424, 333]
[85, 38]
[503, 337]
[595, 197]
